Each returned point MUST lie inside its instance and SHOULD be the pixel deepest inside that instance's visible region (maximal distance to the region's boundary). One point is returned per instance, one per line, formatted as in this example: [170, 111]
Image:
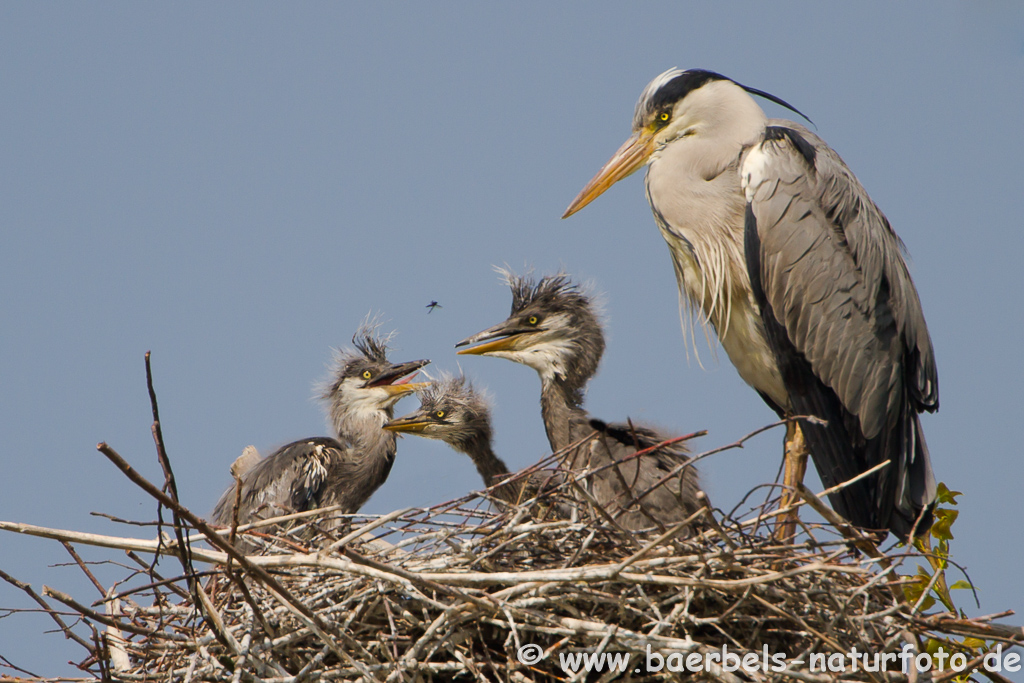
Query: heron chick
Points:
[325, 471]
[452, 411]
[554, 329]
[779, 247]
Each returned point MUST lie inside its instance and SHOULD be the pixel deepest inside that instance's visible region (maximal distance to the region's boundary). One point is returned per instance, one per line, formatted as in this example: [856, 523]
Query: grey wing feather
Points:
[827, 267]
[640, 490]
[833, 271]
[289, 480]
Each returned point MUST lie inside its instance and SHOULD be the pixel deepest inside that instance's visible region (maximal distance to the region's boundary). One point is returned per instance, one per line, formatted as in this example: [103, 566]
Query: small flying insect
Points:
[432, 305]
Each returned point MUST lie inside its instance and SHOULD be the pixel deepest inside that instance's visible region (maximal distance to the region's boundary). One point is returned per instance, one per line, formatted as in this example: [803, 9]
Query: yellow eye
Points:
[533, 320]
[367, 374]
[663, 117]
[439, 414]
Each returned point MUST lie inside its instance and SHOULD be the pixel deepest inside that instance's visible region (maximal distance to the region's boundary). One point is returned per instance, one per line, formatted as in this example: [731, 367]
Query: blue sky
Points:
[234, 187]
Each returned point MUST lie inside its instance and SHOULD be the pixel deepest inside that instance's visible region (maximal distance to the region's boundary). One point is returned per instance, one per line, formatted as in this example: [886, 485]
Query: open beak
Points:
[413, 423]
[630, 157]
[502, 337]
[398, 380]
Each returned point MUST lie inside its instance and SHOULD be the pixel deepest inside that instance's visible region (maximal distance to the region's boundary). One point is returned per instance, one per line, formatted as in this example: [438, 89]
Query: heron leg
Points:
[793, 475]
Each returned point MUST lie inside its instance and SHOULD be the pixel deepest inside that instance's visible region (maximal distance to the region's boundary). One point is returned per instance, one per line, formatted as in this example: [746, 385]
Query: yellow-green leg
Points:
[794, 469]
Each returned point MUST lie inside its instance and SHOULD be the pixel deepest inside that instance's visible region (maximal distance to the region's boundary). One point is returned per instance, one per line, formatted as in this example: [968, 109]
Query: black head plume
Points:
[371, 344]
[673, 85]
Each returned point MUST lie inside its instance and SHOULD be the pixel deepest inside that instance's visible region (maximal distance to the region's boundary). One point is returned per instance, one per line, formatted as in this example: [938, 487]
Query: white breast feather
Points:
[753, 171]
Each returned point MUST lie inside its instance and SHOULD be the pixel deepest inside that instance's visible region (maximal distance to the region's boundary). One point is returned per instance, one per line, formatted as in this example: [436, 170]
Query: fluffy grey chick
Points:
[553, 328]
[451, 410]
[323, 471]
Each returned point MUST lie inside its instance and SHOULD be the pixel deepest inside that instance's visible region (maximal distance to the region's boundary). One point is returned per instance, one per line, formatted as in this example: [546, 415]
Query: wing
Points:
[843, 319]
[290, 479]
[646, 489]
[639, 437]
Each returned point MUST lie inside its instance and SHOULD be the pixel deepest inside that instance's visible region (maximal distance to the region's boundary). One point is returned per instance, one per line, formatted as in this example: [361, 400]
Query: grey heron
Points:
[777, 244]
[452, 411]
[553, 328]
[325, 471]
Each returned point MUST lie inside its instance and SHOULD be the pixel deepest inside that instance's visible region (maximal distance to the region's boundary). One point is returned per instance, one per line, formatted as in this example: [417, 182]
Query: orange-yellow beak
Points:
[630, 157]
[406, 387]
[507, 335]
[415, 423]
[488, 347]
[397, 380]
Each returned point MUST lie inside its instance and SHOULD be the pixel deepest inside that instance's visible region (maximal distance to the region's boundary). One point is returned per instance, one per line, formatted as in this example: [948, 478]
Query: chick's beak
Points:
[396, 390]
[633, 154]
[411, 424]
[504, 336]
[397, 381]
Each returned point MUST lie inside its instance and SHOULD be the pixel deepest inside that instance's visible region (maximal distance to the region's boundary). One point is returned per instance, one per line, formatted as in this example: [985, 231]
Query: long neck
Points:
[704, 230]
[369, 455]
[361, 421]
[492, 469]
[363, 432]
[377, 447]
[693, 186]
[561, 405]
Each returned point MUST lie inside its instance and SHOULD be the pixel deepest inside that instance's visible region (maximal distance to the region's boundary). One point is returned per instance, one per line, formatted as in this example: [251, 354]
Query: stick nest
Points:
[477, 590]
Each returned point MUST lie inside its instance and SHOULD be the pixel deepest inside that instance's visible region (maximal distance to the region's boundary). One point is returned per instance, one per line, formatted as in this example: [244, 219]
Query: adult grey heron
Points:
[324, 471]
[553, 329]
[777, 244]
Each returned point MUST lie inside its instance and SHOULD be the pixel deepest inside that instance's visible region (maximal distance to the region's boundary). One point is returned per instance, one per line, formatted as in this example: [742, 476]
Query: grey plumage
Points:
[324, 471]
[553, 328]
[779, 247]
[452, 411]
[291, 479]
[843, 317]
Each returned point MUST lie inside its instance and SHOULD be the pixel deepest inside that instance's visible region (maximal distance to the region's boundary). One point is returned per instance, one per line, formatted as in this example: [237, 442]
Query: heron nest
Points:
[478, 590]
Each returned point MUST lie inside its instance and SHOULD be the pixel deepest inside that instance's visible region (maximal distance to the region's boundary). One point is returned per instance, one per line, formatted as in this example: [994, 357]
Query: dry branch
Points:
[458, 590]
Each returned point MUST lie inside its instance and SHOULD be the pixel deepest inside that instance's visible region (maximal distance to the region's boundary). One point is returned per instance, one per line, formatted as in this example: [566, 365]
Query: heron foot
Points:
[795, 467]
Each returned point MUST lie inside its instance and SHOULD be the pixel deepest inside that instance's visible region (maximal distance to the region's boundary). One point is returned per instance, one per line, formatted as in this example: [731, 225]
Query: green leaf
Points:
[912, 590]
[943, 521]
[943, 496]
[961, 584]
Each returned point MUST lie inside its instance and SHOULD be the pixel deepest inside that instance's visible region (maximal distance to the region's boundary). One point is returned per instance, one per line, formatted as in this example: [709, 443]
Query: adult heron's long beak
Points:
[413, 423]
[630, 157]
[498, 338]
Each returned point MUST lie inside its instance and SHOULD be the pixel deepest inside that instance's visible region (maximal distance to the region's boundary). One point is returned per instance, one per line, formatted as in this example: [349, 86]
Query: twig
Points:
[85, 569]
[184, 553]
[659, 541]
[108, 621]
[364, 530]
[272, 584]
[68, 633]
[709, 515]
[466, 585]
[158, 580]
